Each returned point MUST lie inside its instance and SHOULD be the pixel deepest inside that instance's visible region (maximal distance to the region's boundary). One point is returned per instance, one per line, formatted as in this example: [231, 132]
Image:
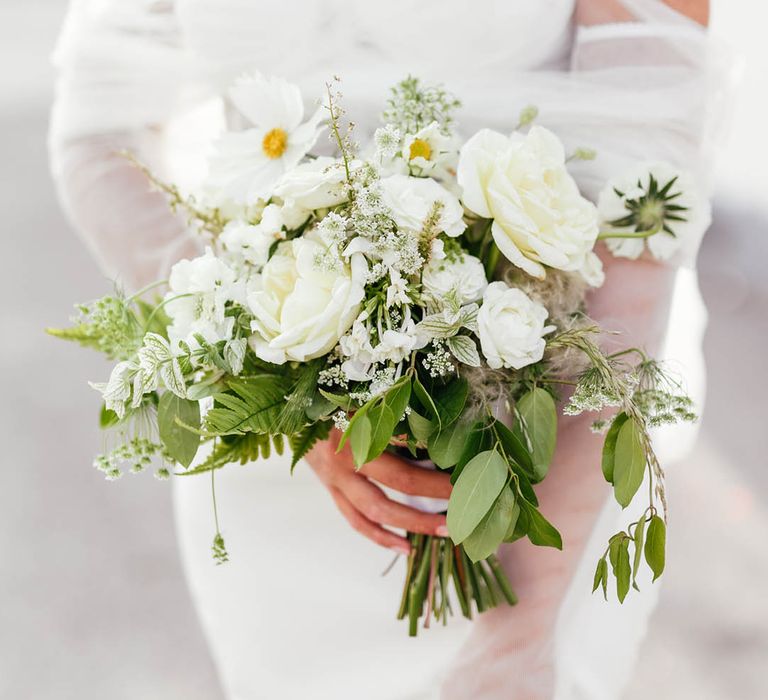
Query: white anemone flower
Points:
[247, 164]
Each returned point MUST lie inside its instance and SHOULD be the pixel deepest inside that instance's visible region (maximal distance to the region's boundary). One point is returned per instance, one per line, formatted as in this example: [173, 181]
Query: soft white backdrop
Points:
[93, 603]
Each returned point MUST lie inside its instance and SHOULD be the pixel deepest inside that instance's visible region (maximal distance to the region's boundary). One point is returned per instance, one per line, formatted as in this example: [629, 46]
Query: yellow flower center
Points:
[275, 142]
[420, 149]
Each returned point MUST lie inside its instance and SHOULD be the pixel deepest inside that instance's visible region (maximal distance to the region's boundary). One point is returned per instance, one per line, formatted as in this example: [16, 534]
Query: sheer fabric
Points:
[130, 74]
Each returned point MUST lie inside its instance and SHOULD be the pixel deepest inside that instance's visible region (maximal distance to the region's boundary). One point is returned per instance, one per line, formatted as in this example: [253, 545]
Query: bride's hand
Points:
[365, 506]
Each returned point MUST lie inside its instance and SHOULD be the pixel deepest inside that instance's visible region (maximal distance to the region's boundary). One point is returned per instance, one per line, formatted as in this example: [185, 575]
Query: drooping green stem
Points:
[501, 579]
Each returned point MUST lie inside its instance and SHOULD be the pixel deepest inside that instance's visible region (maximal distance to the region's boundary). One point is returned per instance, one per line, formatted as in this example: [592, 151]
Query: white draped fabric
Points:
[301, 610]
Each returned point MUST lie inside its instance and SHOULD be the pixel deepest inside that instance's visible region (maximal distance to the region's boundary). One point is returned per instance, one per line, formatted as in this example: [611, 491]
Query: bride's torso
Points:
[469, 46]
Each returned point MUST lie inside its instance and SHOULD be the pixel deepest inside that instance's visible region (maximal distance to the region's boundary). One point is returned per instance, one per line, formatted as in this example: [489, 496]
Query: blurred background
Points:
[93, 600]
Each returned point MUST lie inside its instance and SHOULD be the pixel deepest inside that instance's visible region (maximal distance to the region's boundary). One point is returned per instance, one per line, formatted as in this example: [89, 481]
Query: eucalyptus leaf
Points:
[655, 545]
[446, 447]
[609, 446]
[629, 467]
[475, 491]
[513, 522]
[383, 423]
[397, 397]
[321, 407]
[623, 570]
[426, 400]
[540, 531]
[339, 400]
[639, 542]
[360, 440]
[180, 442]
[490, 531]
[539, 415]
[421, 428]
[601, 576]
[514, 447]
[450, 401]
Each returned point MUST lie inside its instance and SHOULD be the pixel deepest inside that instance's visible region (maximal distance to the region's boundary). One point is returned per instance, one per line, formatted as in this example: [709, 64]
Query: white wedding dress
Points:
[302, 610]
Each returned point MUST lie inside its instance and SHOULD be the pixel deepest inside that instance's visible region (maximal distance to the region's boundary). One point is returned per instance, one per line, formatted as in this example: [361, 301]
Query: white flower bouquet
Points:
[426, 297]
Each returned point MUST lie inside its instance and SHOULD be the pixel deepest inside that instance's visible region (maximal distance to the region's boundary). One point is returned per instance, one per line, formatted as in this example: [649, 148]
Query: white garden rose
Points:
[301, 303]
[688, 225]
[520, 181]
[411, 199]
[318, 184]
[511, 327]
[463, 277]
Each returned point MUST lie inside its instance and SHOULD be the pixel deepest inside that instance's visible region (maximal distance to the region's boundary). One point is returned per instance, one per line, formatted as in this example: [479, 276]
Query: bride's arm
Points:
[122, 73]
[510, 652]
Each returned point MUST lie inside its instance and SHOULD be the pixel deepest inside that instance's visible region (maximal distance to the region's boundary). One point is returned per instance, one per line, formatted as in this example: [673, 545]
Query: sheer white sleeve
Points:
[122, 74]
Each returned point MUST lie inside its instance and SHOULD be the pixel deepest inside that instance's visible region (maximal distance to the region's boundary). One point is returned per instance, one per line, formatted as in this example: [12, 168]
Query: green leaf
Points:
[321, 407]
[340, 400]
[293, 414]
[173, 377]
[601, 574]
[382, 422]
[107, 418]
[639, 541]
[180, 442]
[540, 531]
[251, 406]
[360, 440]
[426, 400]
[514, 447]
[623, 570]
[475, 491]
[464, 349]
[518, 526]
[629, 466]
[609, 446]
[397, 397]
[490, 531]
[539, 415]
[655, 545]
[450, 401]
[447, 446]
[421, 427]
[302, 442]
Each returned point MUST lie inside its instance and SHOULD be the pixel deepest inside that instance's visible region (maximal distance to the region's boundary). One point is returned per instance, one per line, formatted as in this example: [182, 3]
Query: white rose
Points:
[301, 306]
[511, 327]
[520, 181]
[463, 277]
[198, 292]
[318, 184]
[663, 245]
[411, 199]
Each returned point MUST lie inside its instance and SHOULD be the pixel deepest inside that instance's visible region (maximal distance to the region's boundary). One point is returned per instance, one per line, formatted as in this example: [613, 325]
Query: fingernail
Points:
[402, 549]
[442, 531]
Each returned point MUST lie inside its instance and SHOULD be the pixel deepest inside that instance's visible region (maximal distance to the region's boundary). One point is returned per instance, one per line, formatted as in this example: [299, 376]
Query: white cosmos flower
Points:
[539, 217]
[198, 292]
[411, 200]
[301, 305]
[462, 277]
[247, 164]
[430, 151]
[634, 185]
[511, 327]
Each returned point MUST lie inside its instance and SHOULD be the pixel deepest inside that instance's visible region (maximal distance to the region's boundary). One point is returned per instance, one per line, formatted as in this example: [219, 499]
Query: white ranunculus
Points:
[246, 165]
[520, 181]
[301, 304]
[663, 245]
[411, 199]
[319, 184]
[511, 327]
[463, 277]
[198, 292]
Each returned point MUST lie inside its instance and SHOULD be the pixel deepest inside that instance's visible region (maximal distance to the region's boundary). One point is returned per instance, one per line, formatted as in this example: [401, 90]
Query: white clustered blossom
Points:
[438, 361]
[247, 164]
[539, 216]
[387, 141]
[461, 278]
[511, 327]
[199, 290]
[333, 229]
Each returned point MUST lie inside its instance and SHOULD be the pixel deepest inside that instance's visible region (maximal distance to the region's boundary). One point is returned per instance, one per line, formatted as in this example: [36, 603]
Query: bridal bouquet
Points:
[426, 296]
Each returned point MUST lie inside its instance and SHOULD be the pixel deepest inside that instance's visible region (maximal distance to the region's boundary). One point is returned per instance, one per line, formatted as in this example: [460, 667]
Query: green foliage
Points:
[413, 106]
[486, 538]
[242, 449]
[302, 442]
[252, 405]
[609, 446]
[474, 493]
[629, 464]
[655, 545]
[178, 420]
[538, 422]
[447, 446]
[540, 531]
